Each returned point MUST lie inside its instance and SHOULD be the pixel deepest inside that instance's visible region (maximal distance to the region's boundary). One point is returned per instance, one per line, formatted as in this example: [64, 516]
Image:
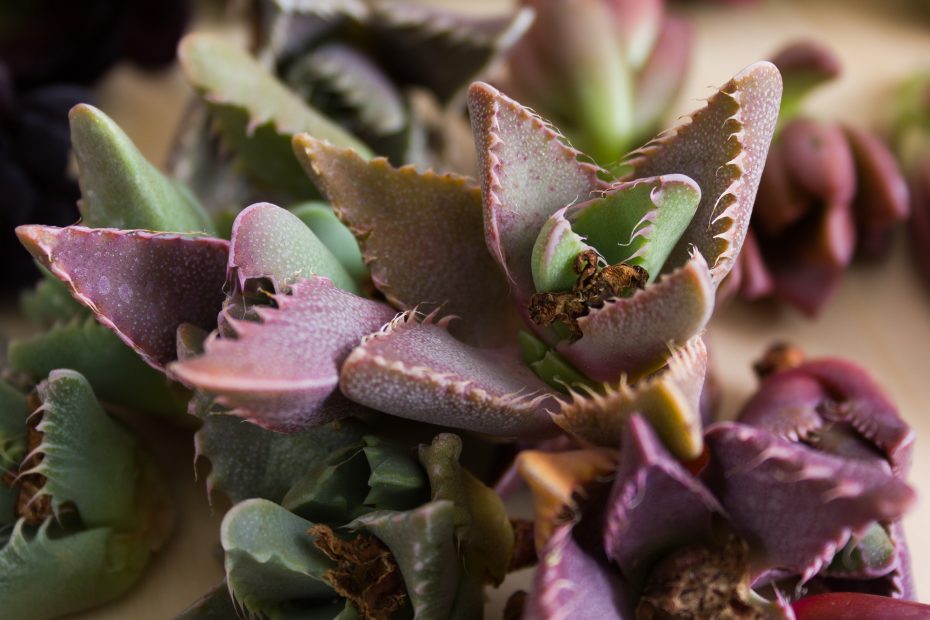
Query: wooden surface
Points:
[880, 318]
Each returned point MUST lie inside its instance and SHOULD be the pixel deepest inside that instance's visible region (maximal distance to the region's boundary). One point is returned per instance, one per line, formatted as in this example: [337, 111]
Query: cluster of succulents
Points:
[354, 360]
[829, 192]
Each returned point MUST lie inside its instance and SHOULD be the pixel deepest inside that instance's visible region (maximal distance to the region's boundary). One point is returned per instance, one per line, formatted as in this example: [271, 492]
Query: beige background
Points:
[880, 318]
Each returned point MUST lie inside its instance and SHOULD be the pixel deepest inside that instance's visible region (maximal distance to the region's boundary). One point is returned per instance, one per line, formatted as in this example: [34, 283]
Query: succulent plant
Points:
[77, 520]
[912, 142]
[604, 71]
[369, 529]
[789, 500]
[828, 192]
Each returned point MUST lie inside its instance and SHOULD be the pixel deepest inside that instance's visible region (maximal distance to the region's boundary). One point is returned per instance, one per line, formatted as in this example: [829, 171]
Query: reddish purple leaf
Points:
[140, 284]
[418, 370]
[282, 373]
[723, 148]
[855, 606]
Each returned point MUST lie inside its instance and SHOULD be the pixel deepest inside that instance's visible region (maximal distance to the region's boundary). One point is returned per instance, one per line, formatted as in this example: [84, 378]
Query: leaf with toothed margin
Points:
[140, 284]
[570, 582]
[420, 234]
[117, 375]
[669, 400]
[120, 188]
[100, 482]
[257, 114]
[794, 505]
[438, 49]
[549, 365]
[282, 372]
[482, 527]
[417, 370]
[271, 242]
[423, 544]
[248, 461]
[722, 147]
[319, 218]
[655, 505]
[636, 223]
[83, 569]
[527, 172]
[633, 335]
[553, 479]
[271, 558]
[13, 414]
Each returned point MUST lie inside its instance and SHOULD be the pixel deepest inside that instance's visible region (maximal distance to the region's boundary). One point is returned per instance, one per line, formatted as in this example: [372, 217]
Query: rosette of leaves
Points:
[300, 344]
[829, 192]
[912, 143]
[81, 506]
[801, 496]
[604, 71]
[342, 71]
[370, 530]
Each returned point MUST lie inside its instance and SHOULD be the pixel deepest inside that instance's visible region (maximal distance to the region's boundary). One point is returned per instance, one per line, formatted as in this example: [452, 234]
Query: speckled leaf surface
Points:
[82, 569]
[655, 504]
[257, 113]
[289, 380]
[669, 400]
[248, 461]
[271, 242]
[633, 335]
[120, 188]
[570, 583]
[422, 542]
[420, 233]
[418, 370]
[117, 375]
[527, 172]
[804, 504]
[319, 217]
[723, 148]
[270, 557]
[141, 285]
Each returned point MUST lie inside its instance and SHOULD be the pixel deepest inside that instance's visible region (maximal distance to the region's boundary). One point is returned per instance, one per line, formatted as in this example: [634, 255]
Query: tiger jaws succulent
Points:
[440, 245]
[801, 496]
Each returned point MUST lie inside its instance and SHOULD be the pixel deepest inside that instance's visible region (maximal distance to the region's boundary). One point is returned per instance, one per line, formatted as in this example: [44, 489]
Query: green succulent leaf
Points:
[120, 188]
[482, 526]
[271, 558]
[271, 242]
[116, 373]
[248, 461]
[397, 481]
[13, 413]
[216, 604]
[257, 114]
[88, 459]
[319, 218]
[49, 302]
[45, 573]
[554, 255]
[871, 554]
[431, 566]
[333, 491]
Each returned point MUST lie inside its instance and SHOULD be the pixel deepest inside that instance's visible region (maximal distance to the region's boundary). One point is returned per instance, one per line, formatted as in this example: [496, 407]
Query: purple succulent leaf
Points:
[420, 234]
[902, 578]
[527, 172]
[780, 201]
[804, 65]
[633, 335]
[271, 242]
[571, 583]
[416, 369]
[661, 78]
[655, 504]
[140, 284]
[819, 159]
[881, 201]
[919, 225]
[786, 404]
[669, 400]
[794, 505]
[723, 148]
[282, 373]
[750, 271]
[863, 405]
